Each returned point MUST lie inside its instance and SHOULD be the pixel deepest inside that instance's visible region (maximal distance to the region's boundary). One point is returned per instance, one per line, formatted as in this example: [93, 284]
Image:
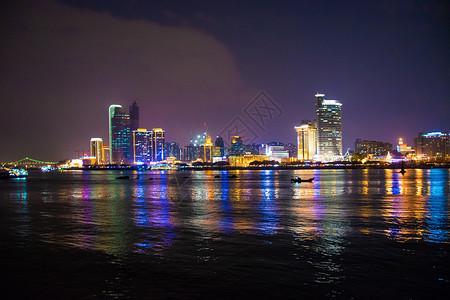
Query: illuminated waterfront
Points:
[350, 233]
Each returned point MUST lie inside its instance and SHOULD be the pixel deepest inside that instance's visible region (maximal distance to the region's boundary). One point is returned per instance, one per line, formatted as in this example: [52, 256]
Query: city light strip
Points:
[33, 160]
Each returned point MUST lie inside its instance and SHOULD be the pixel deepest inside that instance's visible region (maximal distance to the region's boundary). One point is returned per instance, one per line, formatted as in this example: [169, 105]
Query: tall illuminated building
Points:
[237, 146]
[134, 116]
[119, 135]
[157, 144]
[97, 150]
[107, 154]
[208, 149]
[220, 144]
[329, 128]
[142, 151]
[306, 141]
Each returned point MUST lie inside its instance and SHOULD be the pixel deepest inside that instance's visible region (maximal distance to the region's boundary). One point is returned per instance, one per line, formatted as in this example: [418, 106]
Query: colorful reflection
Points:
[437, 206]
[267, 204]
[93, 210]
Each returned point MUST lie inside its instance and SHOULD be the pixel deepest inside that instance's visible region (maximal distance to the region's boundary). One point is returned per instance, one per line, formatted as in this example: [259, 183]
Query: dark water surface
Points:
[349, 234]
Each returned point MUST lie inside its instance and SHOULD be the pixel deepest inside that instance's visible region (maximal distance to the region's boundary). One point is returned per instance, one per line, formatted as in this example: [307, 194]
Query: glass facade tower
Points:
[119, 135]
[329, 128]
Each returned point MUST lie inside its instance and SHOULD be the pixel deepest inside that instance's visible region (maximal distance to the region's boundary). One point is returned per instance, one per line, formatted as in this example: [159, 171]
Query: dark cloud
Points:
[62, 67]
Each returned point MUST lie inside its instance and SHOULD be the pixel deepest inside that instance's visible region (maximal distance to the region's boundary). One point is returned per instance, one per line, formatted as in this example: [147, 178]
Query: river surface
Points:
[362, 234]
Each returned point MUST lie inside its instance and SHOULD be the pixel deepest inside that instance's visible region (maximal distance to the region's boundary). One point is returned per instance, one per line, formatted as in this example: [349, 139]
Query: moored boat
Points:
[13, 173]
[298, 179]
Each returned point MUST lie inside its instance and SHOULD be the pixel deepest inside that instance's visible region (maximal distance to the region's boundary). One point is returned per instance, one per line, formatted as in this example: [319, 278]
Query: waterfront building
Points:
[246, 159]
[403, 148]
[119, 135]
[433, 145]
[97, 150]
[157, 144]
[208, 150]
[251, 149]
[221, 145]
[292, 149]
[237, 146]
[134, 116]
[277, 153]
[172, 150]
[329, 128]
[365, 148]
[142, 146]
[107, 154]
[306, 141]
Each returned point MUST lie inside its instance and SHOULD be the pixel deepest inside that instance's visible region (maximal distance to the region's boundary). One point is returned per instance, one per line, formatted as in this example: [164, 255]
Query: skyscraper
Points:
[158, 144]
[306, 141]
[142, 151]
[329, 128]
[97, 150]
[237, 146]
[219, 143]
[208, 150]
[134, 116]
[119, 134]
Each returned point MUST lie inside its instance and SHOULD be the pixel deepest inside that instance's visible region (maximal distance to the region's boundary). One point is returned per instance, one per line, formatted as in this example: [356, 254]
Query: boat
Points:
[403, 171]
[13, 173]
[123, 177]
[298, 179]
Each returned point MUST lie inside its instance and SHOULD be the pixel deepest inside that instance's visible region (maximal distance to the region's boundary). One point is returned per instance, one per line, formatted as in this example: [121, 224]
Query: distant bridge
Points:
[30, 163]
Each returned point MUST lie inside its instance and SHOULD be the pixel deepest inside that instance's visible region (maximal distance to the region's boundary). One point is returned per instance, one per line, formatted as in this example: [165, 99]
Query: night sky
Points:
[189, 62]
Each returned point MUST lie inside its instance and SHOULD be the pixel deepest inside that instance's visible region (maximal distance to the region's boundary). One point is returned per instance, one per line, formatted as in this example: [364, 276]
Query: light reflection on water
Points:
[174, 211]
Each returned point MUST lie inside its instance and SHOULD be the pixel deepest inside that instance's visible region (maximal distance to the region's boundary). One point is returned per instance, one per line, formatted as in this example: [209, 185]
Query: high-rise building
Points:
[172, 149]
[292, 149]
[142, 150]
[237, 146]
[208, 148]
[157, 144]
[119, 134]
[433, 145]
[329, 128]
[219, 143]
[306, 141]
[134, 116]
[107, 153]
[97, 150]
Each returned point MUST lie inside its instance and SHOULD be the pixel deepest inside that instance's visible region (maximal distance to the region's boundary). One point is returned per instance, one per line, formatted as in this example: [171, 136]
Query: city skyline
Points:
[186, 64]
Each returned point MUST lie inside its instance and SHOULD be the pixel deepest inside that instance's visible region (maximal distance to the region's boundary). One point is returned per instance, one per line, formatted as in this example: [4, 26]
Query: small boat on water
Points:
[403, 171]
[298, 179]
[123, 177]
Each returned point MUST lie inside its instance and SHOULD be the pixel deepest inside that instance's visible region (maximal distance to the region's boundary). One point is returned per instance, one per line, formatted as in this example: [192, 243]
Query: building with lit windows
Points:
[292, 149]
[97, 150]
[134, 116]
[246, 159]
[220, 144]
[433, 145]
[329, 128]
[208, 148]
[119, 135]
[158, 144]
[107, 154]
[306, 141]
[403, 148]
[277, 153]
[142, 151]
[172, 150]
[237, 146]
[366, 148]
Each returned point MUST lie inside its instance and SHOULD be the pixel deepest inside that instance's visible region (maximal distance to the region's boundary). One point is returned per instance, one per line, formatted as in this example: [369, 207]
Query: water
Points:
[360, 234]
